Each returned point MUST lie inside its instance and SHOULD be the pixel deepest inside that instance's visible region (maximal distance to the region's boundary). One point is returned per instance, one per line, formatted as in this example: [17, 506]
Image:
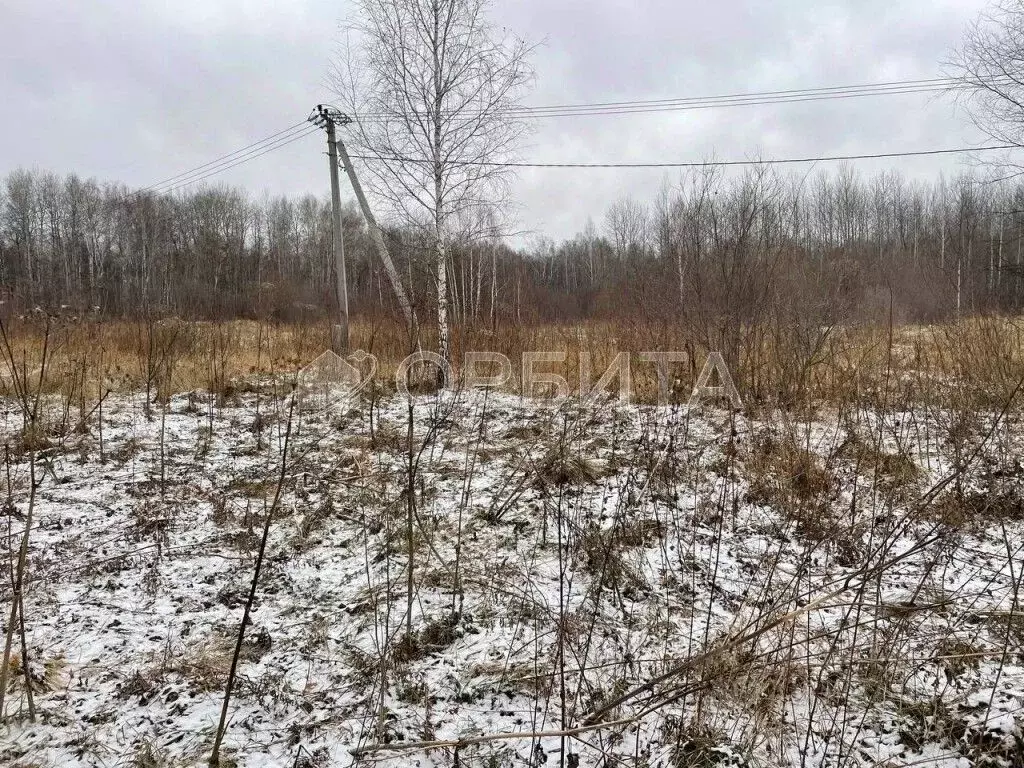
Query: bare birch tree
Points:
[434, 91]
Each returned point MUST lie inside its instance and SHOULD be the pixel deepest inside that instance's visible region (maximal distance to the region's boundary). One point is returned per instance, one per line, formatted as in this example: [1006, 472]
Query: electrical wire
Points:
[217, 160]
[898, 87]
[933, 82]
[702, 164]
[239, 160]
[283, 142]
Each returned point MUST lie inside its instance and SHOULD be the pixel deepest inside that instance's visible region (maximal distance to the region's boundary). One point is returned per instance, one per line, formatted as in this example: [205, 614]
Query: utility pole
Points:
[377, 237]
[329, 118]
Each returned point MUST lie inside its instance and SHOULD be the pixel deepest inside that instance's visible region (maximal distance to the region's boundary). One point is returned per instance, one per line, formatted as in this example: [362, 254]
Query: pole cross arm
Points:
[326, 113]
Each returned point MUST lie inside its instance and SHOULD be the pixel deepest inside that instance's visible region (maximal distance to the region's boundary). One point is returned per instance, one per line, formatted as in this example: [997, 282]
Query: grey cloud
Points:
[140, 91]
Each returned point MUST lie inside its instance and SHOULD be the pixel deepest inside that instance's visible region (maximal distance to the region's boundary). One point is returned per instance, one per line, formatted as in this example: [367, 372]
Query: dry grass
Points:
[204, 668]
[978, 358]
[798, 479]
[784, 473]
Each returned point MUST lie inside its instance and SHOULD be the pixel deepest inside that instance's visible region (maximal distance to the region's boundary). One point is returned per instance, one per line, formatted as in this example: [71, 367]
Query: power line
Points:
[191, 171]
[943, 81]
[897, 87]
[263, 150]
[642, 110]
[240, 160]
[703, 164]
[300, 130]
[679, 107]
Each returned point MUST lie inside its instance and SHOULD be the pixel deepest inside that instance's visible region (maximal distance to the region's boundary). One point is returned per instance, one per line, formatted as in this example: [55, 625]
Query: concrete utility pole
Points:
[377, 236]
[329, 118]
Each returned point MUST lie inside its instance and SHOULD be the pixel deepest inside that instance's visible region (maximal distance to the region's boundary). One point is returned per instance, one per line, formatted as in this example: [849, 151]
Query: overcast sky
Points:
[138, 90]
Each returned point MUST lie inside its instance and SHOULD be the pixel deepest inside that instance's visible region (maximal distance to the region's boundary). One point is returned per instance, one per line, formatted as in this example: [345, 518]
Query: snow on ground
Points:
[714, 590]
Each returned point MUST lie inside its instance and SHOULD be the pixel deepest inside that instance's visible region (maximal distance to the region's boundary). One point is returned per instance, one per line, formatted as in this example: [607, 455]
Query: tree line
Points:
[712, 246]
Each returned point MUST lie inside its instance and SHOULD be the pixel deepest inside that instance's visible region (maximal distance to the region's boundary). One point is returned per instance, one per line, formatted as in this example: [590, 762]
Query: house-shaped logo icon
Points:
[331, 379]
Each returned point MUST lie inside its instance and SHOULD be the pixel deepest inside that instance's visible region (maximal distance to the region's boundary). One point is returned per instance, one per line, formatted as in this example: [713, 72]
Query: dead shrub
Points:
[601, 552]
[561, 467]
[204, 667]
[966, 508]
[698, 746]
[645, 532]
[433, 637]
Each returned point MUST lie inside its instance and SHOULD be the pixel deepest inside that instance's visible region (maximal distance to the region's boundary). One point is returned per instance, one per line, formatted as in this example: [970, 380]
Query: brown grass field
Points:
[835, 564]
[977, 361]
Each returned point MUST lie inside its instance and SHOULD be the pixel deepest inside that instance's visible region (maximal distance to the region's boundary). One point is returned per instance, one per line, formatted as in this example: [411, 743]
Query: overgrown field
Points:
[519, 582]
[974, 362]
[477, 578]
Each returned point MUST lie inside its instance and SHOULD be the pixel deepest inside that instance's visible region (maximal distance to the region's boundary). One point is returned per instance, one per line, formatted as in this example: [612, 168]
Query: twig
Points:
[460, 743]
[222, 725]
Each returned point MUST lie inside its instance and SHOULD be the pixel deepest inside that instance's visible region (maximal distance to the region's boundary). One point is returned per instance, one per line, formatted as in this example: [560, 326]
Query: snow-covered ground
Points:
[591, 586]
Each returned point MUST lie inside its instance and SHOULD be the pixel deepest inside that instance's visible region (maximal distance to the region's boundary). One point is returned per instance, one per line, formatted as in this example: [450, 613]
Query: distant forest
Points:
[833, 247]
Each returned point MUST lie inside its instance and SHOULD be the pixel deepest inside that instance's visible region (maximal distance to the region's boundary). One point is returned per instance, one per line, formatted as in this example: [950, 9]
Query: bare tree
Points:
[626, 222]
[844, 242]
[990, 64]
[434, 91]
